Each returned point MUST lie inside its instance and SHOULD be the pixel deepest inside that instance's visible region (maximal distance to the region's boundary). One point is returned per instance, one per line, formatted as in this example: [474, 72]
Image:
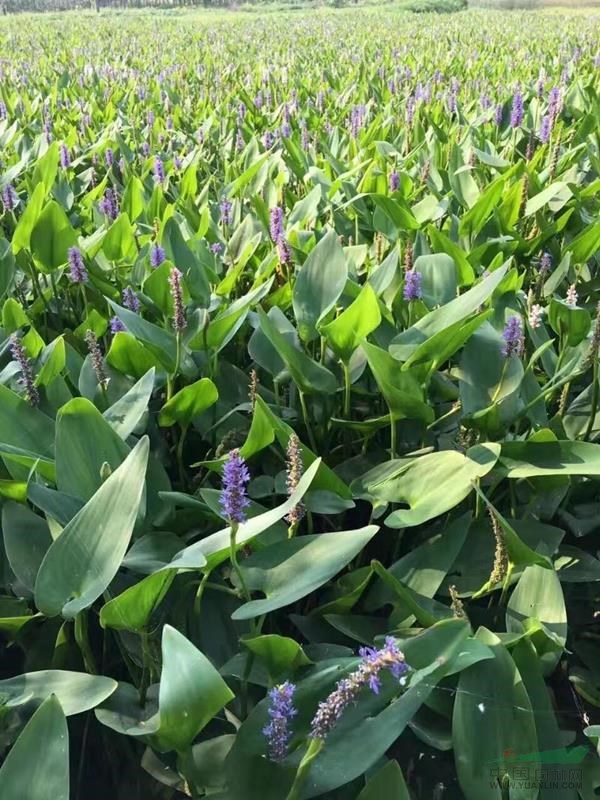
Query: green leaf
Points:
[440, 280]
[310, 376]
[80, 564]
[533, 459]
[319, 283]
[25, 427]
[401, 390]
[418, 483]
[388, 782]
[119, 242]
[26, 540]
[131, 610]
[355, 323]
[76, 691]
[572, 323]
[539, 596]
[188, 403]
[129, 356]
[51, 237]
[37, 766]
[46, 168]
[22, 236]
[191, 693]
[126, 414]
[84, 442]
[491, 698]
[404, 345]
[160, 342]
[280, 654]
[289, 570]
[53, 362]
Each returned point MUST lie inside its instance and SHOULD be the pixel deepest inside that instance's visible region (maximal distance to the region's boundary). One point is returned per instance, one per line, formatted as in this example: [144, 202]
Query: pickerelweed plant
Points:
[299, 347]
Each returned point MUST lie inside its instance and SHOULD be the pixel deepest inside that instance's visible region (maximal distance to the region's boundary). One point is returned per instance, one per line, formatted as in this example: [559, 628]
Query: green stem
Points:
[392, 436]
[180, 465]
[594, 406]
[309, 432]
[173, 376]
[502, 376]
[200, 593]
[313, 750]
[347, 389]
[234, 561]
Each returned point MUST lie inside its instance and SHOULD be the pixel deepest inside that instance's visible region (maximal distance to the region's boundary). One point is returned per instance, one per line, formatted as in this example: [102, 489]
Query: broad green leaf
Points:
[289, 570]
[37, 766]
[319, 283]
[76, 691]
[188, 403]
[126, 414]
[388, 782]
[355, 323]
[53, 362]
[491, 698]
[190, 694]
[533, 459]
[85, 441]
[129, 356]
[310, 376]
[119, 242]
[80, 564]
[401, 390]
[26, 540]
[22, 236]
[24, 427]
[52, 237]
[572, 323]
[280, 654]
[132, 609]
[418, 483]
[437, 321]
[160, 342]
[439, 278]
[539, 596]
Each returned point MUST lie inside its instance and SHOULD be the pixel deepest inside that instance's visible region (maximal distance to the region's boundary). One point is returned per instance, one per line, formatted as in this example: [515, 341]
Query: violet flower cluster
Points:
[412, 285]
[77, 271]
[179, 321]
[27, 380]
[346, 692]
[234, 499]
[514, 339]
[281, 712]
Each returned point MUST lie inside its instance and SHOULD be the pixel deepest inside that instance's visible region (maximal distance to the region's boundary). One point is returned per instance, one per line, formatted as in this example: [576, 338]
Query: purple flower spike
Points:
[276, 223]
[116, 326]
[394, 181]
[157, 255]
[546, 129]
[545, 263]
[77, 271]
[233, 498]
[159, 170]
[179, 322]
[109, 204]
[9, 197]
[517, 112]
[225, 207]
[130, 299]
[374, 661]
[412, 285]
[514, 340]
[281, 711]
[65, 158]
[26, 380]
